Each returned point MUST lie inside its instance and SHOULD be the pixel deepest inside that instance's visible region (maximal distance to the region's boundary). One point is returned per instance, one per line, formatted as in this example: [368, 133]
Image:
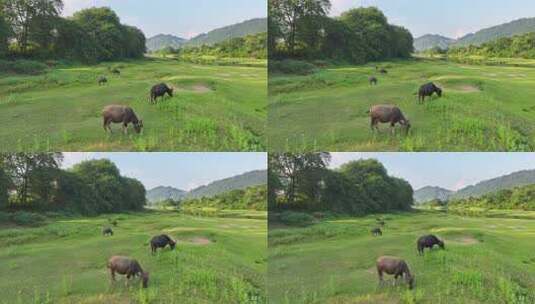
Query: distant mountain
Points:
[517, 179]
[428, 41]
[517, 27]
[159, 194]
[513, 28]
[161, 41]
[509, 181]
[242, 181]
[429, 193]
[249, 27]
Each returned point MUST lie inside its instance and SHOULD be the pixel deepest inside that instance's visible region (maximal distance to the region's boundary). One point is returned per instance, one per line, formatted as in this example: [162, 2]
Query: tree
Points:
[32, 19]
[289, 15]
[29, 173]
[298, 172]
[5, 32]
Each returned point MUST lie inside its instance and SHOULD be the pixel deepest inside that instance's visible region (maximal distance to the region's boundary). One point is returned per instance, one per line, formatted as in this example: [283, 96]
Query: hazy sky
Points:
[448, 170]
[181, 170]
[183, 18]
[451, 18]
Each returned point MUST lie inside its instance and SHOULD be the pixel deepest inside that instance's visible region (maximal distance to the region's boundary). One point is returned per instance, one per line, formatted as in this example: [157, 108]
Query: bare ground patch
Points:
[197, 240]
[465, 240]
[196, 88]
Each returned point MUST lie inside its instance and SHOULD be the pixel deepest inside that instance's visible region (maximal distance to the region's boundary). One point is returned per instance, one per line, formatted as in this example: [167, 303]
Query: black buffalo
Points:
[160, 90]
[372, 80]
[428, 241]
[383, 71]
[161, 241]
[427, 90]
[102, 80]
[107, 231]
[377, 232]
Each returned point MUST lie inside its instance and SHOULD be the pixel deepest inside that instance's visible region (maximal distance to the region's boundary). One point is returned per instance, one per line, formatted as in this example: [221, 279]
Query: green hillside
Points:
[429, 193]
[161, 41]
[249, 27]
[429, 41]
[517, 27]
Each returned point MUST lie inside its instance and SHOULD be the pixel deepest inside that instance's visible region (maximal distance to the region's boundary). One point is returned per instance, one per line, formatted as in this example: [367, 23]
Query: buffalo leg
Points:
[112, 273]
[125, 128]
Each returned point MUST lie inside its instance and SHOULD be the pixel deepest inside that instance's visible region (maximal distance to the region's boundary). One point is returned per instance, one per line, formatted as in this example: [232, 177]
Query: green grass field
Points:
[61, 109]
[487, 260]
[219, 260]
[484, 108]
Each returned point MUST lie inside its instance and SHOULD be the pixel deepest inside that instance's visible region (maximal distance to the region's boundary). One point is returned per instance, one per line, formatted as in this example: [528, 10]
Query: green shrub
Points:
[292, 218]
[289, 66]
[23, 67]
[4, 217]
[27, 218]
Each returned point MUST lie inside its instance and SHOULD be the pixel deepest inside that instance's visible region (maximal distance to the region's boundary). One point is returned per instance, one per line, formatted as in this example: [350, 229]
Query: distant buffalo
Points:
[102, 80]
[107, 231]
[372, 80]
[377, 232]
[116, 71]
[428, 241]
[383, 71]
[121, 114]
[427, 90]
[160, 90]
[129, 267]
[161, 241]
[394, 266]
[388, 114]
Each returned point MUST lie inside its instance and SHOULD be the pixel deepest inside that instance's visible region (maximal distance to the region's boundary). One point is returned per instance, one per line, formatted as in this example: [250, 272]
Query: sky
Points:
[184, 171]
[183, 18]
[450, 18]
[447, 170]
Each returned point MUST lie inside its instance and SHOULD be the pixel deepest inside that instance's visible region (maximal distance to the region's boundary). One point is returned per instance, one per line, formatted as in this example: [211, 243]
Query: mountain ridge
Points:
[241, 29]
[507, 181]
[508, 29]
[240, 181]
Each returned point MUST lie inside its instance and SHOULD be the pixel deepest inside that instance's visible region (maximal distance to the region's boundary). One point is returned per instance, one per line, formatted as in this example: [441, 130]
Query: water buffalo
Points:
[372, 80]
[121, 114]
[381, 222]
[129, 267]
[377, 232]
[160, 90]
[428, 241]
[102, 80]
[394, 266]
[116, 71]
[107, 231]
[388, 114]
[428, 89]
[383, 71]
[160, 241]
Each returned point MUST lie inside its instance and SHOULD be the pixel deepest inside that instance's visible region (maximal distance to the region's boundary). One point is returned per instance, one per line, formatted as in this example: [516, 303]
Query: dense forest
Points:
[252, 198]
[35, 182]
[522, 198]
[520, 46]
[302, 29]
[303, 182]
[34, 29]
[252, 46]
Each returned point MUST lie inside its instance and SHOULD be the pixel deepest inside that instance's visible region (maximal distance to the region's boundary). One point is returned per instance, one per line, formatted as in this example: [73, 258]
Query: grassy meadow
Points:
[487, 260]
[60, 110]
[484, 107]
[219, 260]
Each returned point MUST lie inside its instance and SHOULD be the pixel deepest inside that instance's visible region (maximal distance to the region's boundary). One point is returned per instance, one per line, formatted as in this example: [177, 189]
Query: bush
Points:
[4, 217]
[292, 218]
[289, 66]
[27, 218]
[23, 67]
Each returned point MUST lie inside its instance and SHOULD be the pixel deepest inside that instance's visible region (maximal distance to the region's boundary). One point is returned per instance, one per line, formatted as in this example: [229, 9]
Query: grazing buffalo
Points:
[377, 232]
[116, 71]
[129, 267]
[114, 223]
[394, 266]
[427, 90]
[121, 114]
[372, 80]
[160, 90]
[388, 114]
[160, 241]
[428, 241]
[107, 231]
[381, 222]
[383, 71]
[102, 80]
